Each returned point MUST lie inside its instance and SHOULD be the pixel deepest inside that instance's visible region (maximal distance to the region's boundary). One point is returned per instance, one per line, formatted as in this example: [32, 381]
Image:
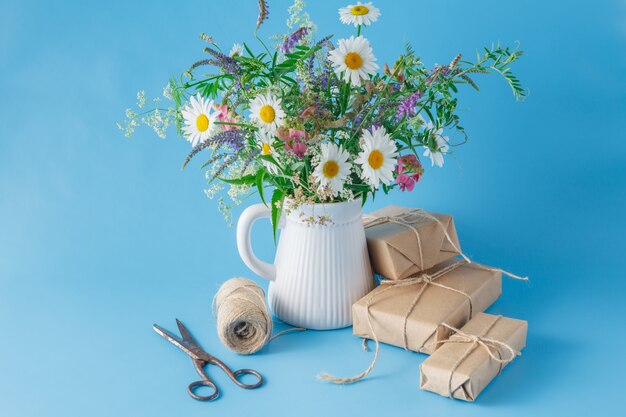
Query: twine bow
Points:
[426, 280]
[492, 346]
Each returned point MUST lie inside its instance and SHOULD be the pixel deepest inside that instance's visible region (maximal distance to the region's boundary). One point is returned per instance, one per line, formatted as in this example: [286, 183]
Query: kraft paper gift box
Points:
[469, 359]
[450, 292]
[403, 241]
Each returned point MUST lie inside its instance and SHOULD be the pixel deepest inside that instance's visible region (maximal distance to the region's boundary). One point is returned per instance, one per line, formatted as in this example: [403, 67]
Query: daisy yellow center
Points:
[266, 150]
[376, 159]
[354, 61]
[267, 113]
[331, 169]
[359, 10]
[202, 123]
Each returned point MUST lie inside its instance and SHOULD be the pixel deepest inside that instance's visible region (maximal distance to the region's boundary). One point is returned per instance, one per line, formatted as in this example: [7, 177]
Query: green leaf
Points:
[295, 55]
[247, 49]
[277, 199]
[245, 180]
[311, 51]
[291, 80]
[259, 184]
[297, 166]
[287, 64]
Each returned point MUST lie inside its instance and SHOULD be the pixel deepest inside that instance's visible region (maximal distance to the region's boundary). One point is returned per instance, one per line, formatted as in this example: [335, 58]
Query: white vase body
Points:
[321, 267]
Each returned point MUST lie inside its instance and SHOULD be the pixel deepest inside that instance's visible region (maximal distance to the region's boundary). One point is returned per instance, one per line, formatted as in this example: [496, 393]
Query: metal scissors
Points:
[200, 359]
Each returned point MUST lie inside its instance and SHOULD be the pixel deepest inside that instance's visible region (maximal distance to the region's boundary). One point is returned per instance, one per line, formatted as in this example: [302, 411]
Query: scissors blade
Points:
[187, 337]
[175, 340]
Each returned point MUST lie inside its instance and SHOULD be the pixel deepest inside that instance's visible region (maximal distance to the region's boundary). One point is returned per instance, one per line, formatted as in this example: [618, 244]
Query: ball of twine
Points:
[244, 323]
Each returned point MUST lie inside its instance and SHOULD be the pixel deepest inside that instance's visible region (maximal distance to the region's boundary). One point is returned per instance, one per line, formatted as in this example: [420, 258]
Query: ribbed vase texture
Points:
[321, 269]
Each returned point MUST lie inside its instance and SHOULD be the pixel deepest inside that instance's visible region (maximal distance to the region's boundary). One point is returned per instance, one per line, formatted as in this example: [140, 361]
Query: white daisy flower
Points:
[441, 146]
[333, 168]
[378, 157]
[354, 59]
[265, 144]
[199, 119]
[236, 50]
[359, 14]
[266, 112]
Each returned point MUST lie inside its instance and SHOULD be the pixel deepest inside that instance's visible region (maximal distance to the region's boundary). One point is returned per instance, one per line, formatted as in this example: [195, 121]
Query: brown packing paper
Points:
[471, 357]
[403, 241]
[453, 297]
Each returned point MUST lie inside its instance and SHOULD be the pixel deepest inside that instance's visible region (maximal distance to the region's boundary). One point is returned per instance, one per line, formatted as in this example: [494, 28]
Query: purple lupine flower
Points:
[407, 107]
[325, 41]
[293, 39]
[264, 13]
[228, 161]
[234, 139]
[436, 72]
[231, 138]
[228, 64]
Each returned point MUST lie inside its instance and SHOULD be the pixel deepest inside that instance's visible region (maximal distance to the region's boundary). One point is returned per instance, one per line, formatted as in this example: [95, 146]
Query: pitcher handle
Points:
[244, 227]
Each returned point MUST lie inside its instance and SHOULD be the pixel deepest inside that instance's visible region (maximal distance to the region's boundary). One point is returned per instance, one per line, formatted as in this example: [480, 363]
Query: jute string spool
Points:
[244, 323]
[420, 278]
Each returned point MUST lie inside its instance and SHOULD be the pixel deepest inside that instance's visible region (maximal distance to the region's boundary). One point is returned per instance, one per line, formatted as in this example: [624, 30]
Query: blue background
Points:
[101, 236]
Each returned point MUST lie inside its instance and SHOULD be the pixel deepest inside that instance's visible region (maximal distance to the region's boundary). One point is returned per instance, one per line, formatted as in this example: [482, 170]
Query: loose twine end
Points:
[350, 380]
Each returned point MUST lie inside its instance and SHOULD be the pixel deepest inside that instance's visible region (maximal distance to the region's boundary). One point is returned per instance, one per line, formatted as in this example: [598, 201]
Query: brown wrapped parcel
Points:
[471, 357]
[407, 313]
[403, 241]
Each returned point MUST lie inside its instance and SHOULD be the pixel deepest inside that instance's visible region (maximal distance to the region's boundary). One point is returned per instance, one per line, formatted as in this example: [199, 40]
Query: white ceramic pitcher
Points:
[321, 267]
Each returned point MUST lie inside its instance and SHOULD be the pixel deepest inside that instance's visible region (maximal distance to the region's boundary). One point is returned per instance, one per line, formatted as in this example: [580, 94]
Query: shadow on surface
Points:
[535, 374]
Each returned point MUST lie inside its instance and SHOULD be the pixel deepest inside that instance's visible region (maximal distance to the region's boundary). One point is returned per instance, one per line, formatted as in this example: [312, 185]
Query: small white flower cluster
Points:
[141, 99]
[158, 119]
[226, 211]
[236, 192]
[130, 123]
[299, 18]
[159, 122]
[213, 189]
[167, 92]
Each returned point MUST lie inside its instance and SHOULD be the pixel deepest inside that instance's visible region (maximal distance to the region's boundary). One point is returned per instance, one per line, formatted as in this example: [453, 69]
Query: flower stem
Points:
[238, 124]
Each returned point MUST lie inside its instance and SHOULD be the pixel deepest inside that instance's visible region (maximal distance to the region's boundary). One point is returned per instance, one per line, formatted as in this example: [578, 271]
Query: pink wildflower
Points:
[295, 140]
[409, 172]
[224, 116]
[405, 182]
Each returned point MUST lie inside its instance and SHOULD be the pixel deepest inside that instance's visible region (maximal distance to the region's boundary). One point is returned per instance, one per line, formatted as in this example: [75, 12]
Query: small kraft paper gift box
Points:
[403, 241]
[407, 313]
[471, 357]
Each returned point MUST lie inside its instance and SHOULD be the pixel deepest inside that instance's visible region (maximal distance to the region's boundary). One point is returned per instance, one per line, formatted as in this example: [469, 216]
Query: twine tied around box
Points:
[370, 220]
[490, 345]
[420, 278]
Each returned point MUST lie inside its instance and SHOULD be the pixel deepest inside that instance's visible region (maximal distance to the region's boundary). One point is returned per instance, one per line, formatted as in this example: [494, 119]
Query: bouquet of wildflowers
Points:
[317, 121]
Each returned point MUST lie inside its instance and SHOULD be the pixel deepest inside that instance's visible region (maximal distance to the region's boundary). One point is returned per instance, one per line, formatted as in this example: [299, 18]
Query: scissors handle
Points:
[203, 383]
[235, 377]
[238, 373]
